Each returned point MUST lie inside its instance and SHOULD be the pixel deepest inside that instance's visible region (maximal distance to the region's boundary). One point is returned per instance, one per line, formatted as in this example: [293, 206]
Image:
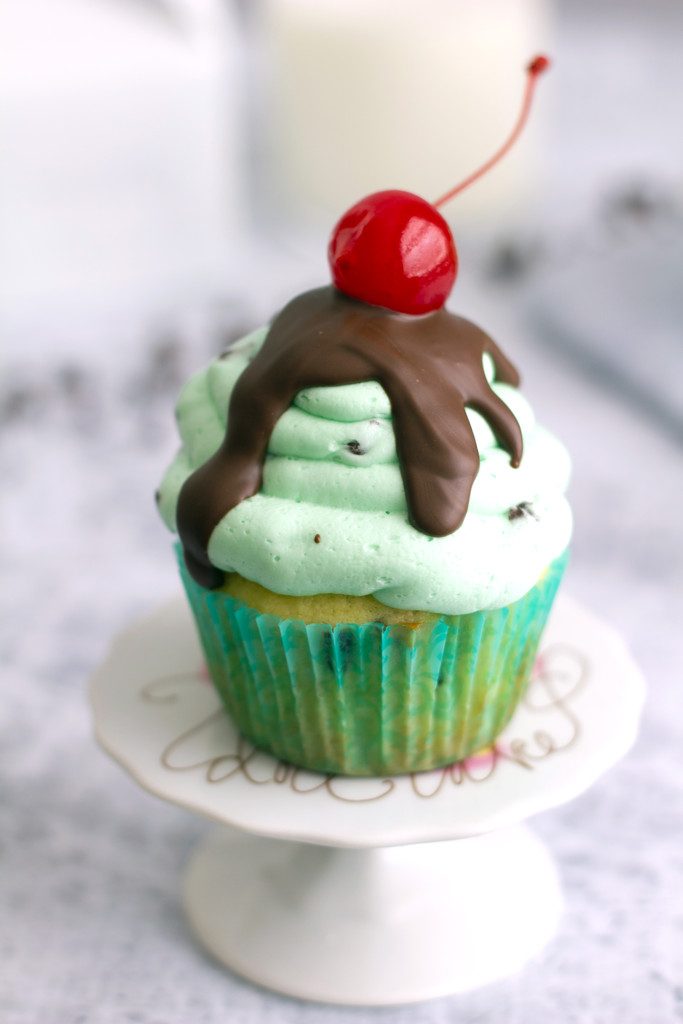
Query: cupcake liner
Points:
[371, 699]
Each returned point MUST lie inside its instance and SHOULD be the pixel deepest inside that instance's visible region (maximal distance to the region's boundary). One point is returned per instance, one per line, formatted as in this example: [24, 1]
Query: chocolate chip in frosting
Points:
[316, 539]
[355, 448]
[521, 511]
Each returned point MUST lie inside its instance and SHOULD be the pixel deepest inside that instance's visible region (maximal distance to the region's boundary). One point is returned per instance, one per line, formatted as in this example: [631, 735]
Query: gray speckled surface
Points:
[92, 929]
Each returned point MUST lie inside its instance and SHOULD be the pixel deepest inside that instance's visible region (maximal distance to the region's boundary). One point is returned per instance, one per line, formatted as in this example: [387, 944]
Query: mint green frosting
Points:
[316, 483]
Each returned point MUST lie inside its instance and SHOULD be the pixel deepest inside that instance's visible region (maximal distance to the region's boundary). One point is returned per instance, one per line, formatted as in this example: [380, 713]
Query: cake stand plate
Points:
[369, 891]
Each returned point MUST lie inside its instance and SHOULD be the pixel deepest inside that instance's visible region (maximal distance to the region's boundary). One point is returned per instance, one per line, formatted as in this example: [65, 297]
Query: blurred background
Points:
[170, 173]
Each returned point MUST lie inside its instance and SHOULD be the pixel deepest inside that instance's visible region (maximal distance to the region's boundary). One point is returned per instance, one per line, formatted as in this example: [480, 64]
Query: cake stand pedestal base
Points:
[382, 926]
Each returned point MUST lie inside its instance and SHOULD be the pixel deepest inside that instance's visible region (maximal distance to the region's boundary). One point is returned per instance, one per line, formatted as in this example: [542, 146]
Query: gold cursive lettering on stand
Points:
[559, 674]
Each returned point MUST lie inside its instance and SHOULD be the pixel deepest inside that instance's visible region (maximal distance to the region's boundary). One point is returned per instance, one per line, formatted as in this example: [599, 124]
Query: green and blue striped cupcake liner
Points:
[371, 699]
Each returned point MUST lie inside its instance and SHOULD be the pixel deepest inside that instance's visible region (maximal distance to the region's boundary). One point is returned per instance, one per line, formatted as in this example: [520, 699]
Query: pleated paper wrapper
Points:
[371, 699]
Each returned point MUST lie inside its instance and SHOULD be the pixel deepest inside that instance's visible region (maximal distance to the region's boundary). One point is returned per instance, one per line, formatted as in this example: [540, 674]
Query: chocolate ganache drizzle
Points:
[430, 367]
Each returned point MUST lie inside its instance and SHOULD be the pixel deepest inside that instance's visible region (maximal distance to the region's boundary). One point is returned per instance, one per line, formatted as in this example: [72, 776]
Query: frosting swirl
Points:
[431, 368]
[331, 515]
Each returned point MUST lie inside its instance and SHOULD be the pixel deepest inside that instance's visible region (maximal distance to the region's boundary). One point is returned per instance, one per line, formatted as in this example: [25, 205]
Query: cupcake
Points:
[372, 525]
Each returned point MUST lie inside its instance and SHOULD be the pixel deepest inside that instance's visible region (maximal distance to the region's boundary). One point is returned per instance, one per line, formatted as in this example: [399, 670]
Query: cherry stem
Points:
[534, 68]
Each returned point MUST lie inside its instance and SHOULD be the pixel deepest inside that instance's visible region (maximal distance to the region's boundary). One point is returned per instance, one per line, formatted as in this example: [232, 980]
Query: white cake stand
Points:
[369, 891]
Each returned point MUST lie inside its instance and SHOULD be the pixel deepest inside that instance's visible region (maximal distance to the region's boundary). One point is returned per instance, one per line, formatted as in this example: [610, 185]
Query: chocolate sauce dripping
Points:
[431, 368]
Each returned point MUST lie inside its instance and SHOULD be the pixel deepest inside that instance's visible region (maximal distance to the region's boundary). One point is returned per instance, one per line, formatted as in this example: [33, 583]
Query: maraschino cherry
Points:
[394, 249]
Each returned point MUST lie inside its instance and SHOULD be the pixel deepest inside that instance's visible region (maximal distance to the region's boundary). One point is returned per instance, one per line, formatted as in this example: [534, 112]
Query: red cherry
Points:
[394, 249]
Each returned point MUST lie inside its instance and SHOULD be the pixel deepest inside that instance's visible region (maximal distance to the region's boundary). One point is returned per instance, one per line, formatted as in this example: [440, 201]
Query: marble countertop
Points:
[93, 930]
